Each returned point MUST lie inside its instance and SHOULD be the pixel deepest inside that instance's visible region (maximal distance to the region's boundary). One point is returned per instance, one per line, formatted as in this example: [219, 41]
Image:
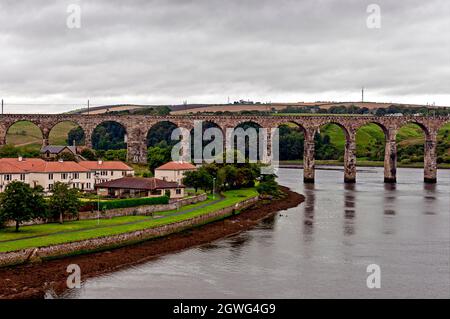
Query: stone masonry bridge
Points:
[137, 127]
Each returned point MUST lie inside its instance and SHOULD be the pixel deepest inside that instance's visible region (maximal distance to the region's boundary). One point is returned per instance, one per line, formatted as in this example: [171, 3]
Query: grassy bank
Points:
[52, 234]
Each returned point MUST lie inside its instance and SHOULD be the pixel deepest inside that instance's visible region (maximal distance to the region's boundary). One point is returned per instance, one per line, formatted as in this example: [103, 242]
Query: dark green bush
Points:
[124, 203]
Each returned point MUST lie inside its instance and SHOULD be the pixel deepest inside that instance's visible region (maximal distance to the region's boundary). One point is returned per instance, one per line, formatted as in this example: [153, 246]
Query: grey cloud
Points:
[202, 51]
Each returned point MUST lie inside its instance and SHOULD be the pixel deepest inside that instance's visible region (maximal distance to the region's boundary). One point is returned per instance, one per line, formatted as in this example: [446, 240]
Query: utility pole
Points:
[88, 107]
[362, 94]
[2, 106]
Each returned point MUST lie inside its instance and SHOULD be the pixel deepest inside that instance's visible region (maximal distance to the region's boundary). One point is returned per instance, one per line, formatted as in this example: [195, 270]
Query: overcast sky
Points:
[206, 51]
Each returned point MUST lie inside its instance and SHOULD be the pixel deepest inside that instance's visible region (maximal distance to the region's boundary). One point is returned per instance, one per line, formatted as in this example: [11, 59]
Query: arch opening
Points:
[109, 140]
[251, 150]
[410, 140]
[23, 138]
[160, 144]
[204, 142]
[329, 143]
[291, 142]
[67, 133]
[370, 144]
[443, 146]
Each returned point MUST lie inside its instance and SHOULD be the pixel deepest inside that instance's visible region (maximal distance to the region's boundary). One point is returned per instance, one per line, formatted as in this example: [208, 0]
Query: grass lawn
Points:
[80, 230]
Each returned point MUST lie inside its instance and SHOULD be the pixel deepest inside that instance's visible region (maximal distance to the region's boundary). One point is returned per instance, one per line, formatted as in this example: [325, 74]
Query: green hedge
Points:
[130, 202]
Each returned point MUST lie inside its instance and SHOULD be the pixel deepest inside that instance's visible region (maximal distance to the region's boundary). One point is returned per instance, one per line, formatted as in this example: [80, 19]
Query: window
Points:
[88, 185]
[50, 187]
[50, 176]
[88, 175]
[104, 173]
[178, 191]
[156, 192]
[22, 177]
[64, 176]
[124, 173]
[76, 175]
[8, 177]
[112, 173]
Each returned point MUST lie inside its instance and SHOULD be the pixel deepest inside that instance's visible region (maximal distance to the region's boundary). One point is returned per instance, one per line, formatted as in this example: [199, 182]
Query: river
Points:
[320, 249]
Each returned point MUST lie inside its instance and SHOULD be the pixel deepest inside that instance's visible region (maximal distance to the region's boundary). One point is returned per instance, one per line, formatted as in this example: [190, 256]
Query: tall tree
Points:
[64, 200]
[22, 203]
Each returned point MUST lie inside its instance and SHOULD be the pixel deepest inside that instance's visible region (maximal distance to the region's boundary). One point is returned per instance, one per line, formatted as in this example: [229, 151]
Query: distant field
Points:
[26, 134]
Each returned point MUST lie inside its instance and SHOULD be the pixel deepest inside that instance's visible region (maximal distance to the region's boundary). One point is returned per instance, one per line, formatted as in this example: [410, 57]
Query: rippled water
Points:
[318, 249]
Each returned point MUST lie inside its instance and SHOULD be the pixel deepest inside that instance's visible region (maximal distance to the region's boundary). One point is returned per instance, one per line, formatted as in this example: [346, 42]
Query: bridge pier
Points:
[350, 160]
[430, 163]
[390, 159]
[137, 153]
[45, 134]
[308, 160]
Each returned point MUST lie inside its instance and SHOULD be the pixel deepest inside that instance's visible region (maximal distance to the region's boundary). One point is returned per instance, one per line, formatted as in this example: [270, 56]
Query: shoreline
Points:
[325, 164]
[33, 280]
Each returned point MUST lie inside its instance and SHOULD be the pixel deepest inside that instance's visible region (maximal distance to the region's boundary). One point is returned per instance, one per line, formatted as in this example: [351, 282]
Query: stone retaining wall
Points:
[102, 243]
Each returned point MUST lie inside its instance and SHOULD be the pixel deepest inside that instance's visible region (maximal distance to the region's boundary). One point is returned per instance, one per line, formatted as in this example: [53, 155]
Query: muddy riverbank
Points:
[33, 280]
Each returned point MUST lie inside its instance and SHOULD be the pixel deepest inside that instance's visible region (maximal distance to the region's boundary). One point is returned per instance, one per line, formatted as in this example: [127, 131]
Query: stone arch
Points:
[296, 123]
[425, 129]
[347, 130]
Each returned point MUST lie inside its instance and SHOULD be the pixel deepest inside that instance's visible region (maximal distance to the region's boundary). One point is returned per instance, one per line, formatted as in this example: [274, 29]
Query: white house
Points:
[83, 175]
[173, 171]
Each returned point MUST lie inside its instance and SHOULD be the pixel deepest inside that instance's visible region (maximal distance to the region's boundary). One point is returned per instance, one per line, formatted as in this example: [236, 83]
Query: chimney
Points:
[60, 160]
[20, 158]
[100, 162]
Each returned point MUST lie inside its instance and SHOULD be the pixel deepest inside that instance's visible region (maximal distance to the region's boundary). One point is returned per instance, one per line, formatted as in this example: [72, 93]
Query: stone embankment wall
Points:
[128, 211]
[108, 242]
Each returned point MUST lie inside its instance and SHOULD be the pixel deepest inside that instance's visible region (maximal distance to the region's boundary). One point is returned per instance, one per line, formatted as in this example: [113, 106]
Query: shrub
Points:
[124, 203]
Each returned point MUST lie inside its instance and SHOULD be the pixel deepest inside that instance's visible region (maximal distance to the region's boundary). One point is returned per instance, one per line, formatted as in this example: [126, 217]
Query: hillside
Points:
[199, 108]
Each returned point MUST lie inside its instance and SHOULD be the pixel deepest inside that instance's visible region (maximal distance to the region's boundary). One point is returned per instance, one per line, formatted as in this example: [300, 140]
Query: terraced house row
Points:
[82, 175]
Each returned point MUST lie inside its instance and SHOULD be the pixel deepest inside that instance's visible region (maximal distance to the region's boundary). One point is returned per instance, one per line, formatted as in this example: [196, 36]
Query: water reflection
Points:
[349, 209]
[308, 215]
[429, 199]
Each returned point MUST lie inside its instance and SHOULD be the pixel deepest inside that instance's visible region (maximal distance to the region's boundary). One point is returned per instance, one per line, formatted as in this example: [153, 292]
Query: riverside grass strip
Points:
[231, 198]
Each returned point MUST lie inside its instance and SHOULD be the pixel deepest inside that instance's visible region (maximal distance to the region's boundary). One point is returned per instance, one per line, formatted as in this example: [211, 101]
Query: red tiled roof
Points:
[59, 167]
[139, 183]
[176, 166]
[37, 165]
[107, 165]
[8, 168]
[24, 165]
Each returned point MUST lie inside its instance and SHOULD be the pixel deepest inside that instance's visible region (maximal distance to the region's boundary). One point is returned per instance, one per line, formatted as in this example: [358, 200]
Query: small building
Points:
[174, 171]
[139, 187]
[53, 152]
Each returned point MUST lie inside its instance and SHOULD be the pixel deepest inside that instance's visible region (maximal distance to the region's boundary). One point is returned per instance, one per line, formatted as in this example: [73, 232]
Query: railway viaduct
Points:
[137, 127]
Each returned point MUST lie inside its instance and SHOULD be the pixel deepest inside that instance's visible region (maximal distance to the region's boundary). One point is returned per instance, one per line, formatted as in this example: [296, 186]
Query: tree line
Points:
[22, 203]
